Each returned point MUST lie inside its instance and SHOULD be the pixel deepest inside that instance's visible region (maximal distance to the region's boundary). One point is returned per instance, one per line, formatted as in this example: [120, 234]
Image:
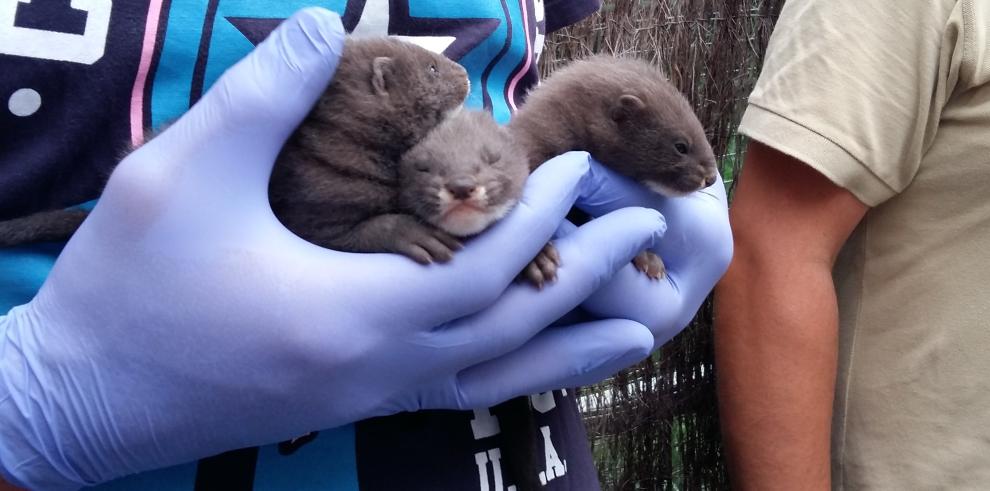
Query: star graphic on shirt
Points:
[454, 37]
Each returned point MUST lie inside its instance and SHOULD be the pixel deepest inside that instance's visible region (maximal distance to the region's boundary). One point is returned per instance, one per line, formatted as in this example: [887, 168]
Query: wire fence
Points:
[655, 426]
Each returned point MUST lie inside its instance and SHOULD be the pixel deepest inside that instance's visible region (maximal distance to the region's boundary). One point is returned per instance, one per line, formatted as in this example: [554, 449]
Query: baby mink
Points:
[465, 175]
[627, 115]
[335, 183]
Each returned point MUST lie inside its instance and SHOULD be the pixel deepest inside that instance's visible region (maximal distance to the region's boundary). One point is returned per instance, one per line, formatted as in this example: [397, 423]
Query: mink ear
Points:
[382, 70]
[626, 106]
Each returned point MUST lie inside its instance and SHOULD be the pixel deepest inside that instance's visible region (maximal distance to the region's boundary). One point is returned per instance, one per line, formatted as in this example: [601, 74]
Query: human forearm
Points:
[776, 343]
[776, 322]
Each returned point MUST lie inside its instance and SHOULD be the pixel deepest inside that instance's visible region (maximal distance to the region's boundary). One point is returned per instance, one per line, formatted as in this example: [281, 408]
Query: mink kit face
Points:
[464, 175]
[666, 149]
[420, 82]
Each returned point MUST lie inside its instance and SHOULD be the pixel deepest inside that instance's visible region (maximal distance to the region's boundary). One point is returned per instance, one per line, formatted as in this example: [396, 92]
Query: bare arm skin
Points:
[776, 331]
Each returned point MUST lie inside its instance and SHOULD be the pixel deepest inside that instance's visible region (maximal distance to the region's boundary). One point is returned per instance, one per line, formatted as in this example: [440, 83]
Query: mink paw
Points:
[543, 268]
[426, 245]
[650, 264]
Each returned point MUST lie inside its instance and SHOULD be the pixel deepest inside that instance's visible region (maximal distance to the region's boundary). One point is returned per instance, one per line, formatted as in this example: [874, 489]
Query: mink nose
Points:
[710, 180]
[461, 187]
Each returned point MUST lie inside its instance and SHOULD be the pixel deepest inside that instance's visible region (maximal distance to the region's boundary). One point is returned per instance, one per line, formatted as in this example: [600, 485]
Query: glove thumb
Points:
[275, 86]
[264, 96]
[253, 108]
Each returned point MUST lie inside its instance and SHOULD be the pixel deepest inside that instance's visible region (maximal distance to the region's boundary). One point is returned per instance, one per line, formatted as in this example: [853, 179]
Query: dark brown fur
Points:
[44, 226]
[626, 114]
[335, 181]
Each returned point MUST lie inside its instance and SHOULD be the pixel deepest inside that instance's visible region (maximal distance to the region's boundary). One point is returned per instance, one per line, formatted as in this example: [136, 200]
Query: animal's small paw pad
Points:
[426, 245]
[543, 268]
[650, 264]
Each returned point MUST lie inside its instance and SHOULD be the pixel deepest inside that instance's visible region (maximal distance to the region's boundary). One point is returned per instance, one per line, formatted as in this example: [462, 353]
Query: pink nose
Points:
[461, 188]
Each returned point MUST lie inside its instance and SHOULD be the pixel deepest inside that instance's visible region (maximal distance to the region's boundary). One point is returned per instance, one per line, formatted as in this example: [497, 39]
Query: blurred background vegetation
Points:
[655, 426]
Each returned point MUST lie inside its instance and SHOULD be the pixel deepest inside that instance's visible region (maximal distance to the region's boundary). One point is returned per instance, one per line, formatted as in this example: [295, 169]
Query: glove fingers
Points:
[275, 86]
[702, 223]
[566, 227]
[698, 218]
[559, 357]
[217, 158]
[659, 305]
[587, 262]
[696, 252]
[608, 191]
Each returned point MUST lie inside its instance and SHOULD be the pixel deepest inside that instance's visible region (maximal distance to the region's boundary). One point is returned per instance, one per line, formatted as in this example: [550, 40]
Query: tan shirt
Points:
[890, 99]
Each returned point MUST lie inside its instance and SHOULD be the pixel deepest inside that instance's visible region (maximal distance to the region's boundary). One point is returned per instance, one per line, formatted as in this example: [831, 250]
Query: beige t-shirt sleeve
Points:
[854, 88]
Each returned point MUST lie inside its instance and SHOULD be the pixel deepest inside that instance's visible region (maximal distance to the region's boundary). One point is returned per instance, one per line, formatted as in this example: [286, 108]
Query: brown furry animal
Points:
[335, 181]
[622, 111]
[43, 226]
[627, 115]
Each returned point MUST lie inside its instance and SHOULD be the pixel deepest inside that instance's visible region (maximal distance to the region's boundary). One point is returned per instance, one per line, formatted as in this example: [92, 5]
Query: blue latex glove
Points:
[696, 250]
[183, 319]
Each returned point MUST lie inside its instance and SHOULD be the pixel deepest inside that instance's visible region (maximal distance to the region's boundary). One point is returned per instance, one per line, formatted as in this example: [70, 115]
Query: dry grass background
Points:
[655, 426]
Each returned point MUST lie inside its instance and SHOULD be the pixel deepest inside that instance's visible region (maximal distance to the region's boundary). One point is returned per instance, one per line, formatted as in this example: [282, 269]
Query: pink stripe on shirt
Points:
[510, 94]
[147, 51]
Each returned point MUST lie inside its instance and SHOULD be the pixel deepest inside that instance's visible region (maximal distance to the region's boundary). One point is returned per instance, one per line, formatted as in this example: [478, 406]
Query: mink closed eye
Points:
[490, 156]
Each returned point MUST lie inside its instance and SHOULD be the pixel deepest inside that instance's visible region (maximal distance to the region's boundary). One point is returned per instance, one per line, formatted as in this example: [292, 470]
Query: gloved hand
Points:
[696, 250]
[183, 319]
